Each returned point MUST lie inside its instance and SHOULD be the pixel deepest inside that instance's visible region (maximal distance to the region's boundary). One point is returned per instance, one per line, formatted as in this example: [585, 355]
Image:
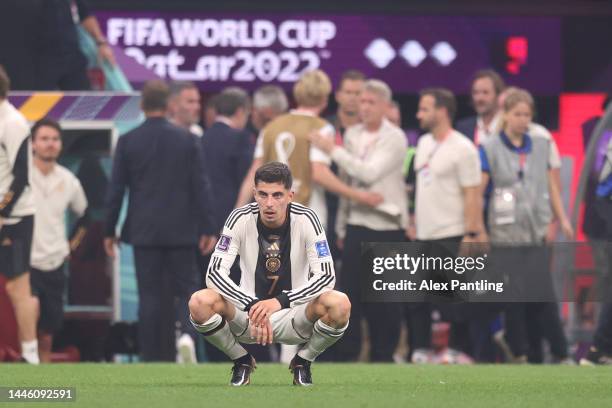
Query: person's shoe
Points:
[185, 350]
[300, 368]
[241, 371]
[595, 357]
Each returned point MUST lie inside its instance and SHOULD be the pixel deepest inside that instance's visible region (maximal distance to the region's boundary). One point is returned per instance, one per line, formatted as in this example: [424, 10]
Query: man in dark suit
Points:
[227, 152]
[160, 166]
[486, 87]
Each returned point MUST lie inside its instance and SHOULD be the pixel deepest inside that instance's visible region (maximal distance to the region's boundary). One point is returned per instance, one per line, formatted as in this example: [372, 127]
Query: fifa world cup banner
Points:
[408, 52]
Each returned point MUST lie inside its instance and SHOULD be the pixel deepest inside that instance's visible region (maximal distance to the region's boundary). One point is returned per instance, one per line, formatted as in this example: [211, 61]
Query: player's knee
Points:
[201, 304]
[339, 306]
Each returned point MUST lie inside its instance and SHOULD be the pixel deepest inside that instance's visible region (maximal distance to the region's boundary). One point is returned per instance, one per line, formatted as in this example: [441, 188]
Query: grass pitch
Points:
[336, 385]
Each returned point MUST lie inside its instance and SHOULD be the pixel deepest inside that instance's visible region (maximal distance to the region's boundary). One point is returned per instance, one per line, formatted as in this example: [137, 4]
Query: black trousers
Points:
[167, 277]
[383, 318]
[64, 72]
[418, 315]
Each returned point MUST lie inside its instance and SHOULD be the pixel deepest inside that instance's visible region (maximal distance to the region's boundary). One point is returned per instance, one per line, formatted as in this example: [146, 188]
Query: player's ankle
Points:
[246, 359]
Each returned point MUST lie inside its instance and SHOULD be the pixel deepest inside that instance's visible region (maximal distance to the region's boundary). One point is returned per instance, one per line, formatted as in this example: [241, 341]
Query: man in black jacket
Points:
[486, 87]
[228, 152]
[159, 164]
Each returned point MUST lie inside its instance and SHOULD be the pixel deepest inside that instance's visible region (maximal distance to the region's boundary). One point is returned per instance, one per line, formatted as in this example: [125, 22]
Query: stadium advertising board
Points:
[216, 50]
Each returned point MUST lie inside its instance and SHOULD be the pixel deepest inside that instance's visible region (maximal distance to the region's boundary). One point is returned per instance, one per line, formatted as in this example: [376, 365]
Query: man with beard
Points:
[487, 85]
[55, 190]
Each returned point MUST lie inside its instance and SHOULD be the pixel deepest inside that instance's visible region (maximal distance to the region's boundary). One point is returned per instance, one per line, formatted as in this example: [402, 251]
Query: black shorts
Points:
[15, 247]
[48, 287]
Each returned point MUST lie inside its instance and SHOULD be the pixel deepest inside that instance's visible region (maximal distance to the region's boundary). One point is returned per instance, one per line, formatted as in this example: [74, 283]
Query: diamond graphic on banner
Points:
[380, 53]
[413, 52]
[443, 53]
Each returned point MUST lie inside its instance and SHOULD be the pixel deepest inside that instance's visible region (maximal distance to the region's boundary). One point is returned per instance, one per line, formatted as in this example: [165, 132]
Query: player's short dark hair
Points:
[443, 99]
[155, 94]
[230, 100]
[274, 172]
[351, 75]
[498, 83]
[5, 83]
[48, 122]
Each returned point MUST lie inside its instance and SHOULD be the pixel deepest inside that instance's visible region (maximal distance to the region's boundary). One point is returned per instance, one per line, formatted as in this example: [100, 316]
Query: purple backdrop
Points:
[409, 53]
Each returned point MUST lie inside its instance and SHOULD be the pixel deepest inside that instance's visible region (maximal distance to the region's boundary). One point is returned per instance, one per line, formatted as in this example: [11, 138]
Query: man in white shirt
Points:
[55, 190]
[371, 160]
[448, 204]
[17, 219]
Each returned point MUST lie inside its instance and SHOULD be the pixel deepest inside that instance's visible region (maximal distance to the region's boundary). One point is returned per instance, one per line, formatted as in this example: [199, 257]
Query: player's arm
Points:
[16, 146]
[321, 265]
[228, 246]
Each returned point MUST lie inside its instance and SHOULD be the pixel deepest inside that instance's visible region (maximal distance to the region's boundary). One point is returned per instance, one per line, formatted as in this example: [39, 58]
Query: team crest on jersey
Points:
[322, 249]
[224, 243]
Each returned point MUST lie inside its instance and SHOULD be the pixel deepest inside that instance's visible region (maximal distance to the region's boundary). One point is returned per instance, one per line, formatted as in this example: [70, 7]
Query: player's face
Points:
[484, 97]
[47, 143]
[273, 199]
[426, 115]
[518, 118]
[348, 96]
[186, 107]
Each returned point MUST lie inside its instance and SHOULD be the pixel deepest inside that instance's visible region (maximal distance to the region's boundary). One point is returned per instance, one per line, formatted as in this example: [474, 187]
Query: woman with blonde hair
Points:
[524, 197]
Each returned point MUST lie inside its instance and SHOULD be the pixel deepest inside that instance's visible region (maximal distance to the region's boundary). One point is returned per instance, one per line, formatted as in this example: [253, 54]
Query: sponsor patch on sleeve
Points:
[322, 249]
[224, 243]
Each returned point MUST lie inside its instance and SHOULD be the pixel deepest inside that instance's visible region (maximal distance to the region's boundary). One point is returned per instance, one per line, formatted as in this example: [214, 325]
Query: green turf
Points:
[336, 385]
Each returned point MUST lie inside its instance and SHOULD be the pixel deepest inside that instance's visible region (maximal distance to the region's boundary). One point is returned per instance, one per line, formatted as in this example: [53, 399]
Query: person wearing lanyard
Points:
[523, 194]
[371, 159]
[447, 204]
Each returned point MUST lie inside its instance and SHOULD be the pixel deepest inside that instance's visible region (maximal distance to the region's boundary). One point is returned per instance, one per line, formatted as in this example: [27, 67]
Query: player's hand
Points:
[262, 310]
[109, 246]
[369, 199]
[262, 333]
[207, 244]
[1, 223]
[324, 143]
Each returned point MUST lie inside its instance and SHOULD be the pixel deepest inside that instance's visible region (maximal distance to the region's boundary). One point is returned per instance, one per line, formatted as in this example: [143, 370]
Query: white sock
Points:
[217, 332]
[29, 351]
[323, 336]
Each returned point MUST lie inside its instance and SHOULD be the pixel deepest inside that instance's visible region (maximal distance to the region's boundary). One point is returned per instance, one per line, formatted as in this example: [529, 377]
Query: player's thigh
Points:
[291, 330]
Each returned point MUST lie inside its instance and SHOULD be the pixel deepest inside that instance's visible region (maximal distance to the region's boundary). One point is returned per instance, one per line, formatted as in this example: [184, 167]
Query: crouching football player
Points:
[286, 291]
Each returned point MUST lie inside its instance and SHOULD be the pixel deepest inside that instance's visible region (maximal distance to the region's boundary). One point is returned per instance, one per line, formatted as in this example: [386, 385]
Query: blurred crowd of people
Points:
[492, 177]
